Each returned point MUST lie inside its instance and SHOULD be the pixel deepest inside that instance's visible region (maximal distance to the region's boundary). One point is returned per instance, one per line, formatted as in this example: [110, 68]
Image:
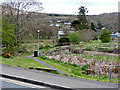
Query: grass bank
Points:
[21, 62]
[74, 70]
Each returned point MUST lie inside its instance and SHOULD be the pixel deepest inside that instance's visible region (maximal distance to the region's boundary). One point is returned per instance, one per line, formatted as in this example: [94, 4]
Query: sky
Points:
[94, 7]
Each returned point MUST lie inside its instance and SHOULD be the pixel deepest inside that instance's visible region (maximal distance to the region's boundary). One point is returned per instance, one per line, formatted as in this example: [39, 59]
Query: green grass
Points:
[45, 49]
[96, 43]
[21, 62]
[73, 69]
[99, 57]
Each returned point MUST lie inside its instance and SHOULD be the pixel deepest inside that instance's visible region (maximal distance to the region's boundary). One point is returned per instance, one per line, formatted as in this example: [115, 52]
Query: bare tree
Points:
[20, 12]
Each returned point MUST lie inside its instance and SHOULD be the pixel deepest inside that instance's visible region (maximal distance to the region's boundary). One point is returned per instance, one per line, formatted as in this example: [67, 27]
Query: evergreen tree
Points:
[81, 22]
[93, 27]
[99, 25]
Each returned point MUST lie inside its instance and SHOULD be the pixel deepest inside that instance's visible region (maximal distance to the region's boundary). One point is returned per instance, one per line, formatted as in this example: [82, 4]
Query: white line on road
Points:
[21, 83]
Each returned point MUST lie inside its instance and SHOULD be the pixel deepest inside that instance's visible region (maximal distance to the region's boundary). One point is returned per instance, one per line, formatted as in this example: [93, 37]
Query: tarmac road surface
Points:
[52, 79]
[9, 83]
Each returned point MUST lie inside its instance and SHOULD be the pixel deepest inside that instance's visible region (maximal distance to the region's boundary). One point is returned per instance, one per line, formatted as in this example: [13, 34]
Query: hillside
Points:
[108, 20]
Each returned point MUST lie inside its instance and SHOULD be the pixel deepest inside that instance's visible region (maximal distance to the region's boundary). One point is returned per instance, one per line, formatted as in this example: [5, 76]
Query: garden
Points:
[87, 60]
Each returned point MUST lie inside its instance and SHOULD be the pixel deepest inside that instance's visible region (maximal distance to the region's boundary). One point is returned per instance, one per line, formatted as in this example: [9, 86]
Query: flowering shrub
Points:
[5, 54]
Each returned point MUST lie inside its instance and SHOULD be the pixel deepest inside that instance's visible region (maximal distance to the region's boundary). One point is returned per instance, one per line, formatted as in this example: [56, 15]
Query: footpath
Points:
[46, 65]
[52, 80]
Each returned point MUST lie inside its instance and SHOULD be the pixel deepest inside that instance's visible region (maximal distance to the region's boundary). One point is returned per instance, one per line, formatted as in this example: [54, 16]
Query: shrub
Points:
[65, 74]
[89, 48]
[5, 54]
[96, 37]
[77, 73]
[85, 67]
[105, 36]
[75, 65]
[104, 76]
[41, 46]
[83, 72]
[54, 72]
[74, 37]
[71, 76]
[64, 39]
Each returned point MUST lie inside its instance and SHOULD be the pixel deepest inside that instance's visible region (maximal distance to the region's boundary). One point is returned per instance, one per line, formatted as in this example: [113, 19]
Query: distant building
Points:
[117, 34]
[103, 28]
[62, 34]
[67, 24]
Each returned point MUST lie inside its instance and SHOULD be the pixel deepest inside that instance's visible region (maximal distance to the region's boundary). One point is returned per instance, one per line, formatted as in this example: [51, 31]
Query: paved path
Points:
[46, 65]
[53, 79]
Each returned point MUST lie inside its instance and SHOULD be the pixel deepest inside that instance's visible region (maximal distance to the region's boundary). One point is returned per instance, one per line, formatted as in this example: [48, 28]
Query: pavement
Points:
[46, 65]
[53, 80]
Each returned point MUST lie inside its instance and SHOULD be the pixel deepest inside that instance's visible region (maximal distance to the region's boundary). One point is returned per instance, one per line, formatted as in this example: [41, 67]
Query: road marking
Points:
[21, 83]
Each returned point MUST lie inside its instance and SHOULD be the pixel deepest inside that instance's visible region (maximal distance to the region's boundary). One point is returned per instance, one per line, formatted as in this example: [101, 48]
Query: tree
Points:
[20, 11]
[105, 36]
[87, 35]
[74, 37]
[75, 24]
[99, 25]
[8, 34]
[93, 27]
[81, 22]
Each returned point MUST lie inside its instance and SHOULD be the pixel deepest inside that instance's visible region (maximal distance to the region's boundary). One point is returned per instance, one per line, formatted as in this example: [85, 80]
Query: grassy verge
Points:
[21, 62]
[74, 70]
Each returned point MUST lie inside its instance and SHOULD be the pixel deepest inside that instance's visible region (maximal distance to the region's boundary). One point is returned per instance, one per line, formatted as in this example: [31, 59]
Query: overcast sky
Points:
[71, 6]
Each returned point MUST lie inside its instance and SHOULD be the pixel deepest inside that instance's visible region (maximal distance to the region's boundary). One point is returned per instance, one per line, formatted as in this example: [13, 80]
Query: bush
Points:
[105, 36]
[83, 72]
[41, 46]
[13, 50]
[65, 74]
[74, 37]
[75, 65]
[5, 54]
[85, 67]
[64, 39]
[71, 76]
[96, 37]
[54, 72]
[89, 48]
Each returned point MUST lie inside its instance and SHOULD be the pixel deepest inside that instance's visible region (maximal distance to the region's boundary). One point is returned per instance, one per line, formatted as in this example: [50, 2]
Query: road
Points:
[52, 79]
[9, 83]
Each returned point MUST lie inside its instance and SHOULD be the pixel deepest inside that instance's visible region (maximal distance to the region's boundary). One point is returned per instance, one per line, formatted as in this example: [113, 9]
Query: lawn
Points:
[74, 70]
[21, 62]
